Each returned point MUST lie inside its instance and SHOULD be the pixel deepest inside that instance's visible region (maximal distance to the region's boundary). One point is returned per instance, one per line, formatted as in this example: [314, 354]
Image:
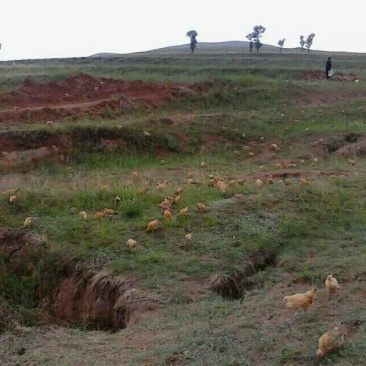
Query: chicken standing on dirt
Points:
[152, 226]
[330, 341]
[298, 301]
[331, 284]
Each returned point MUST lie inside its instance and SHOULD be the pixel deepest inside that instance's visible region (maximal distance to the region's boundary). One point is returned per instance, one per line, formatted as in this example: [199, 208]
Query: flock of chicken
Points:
[334, 337]
[327, 342]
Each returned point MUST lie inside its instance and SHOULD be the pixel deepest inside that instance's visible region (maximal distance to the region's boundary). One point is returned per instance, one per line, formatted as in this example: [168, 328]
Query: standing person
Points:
[250, 46]
[328, 67]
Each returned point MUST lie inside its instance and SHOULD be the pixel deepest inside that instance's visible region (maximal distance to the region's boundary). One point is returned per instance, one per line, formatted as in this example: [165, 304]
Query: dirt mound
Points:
[320, 75]
[82, 96]
[19, 251]
[357, 148]
[15, 158]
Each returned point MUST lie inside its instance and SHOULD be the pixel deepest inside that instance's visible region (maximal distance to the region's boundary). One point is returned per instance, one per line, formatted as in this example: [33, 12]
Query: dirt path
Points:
[81, 96]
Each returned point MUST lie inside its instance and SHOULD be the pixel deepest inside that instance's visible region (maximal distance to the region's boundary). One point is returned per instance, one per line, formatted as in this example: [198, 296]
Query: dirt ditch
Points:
[64, 292]
[232, 284]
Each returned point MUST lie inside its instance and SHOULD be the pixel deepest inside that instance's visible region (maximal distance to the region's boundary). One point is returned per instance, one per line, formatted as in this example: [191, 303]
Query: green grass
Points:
[314, 230]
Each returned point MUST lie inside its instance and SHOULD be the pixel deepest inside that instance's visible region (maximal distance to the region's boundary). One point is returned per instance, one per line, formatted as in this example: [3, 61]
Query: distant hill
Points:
[106, 54]
[211, 47]
[208, 47]
[202, 47]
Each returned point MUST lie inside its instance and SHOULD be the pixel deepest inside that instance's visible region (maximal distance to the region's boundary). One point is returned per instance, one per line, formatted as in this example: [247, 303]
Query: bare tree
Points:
[281, 42]
[302, 43]
[192, 34]
[255, 36]
[309, 41]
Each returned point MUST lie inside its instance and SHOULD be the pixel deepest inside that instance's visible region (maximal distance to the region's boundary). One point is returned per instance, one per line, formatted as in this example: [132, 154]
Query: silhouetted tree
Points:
[281, 42]
[192, 34]
[302, 43]
[255, 36]
[251, 44]
[309, 41]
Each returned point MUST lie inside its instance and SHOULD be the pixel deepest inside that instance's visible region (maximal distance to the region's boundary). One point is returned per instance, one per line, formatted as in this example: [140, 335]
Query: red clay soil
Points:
[81, 96]
[86, 96]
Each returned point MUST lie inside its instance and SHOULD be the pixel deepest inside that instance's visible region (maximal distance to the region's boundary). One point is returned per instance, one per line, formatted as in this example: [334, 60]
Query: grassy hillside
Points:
[273, 150]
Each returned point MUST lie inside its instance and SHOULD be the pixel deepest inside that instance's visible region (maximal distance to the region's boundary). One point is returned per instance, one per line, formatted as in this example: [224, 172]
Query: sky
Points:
[40, 29]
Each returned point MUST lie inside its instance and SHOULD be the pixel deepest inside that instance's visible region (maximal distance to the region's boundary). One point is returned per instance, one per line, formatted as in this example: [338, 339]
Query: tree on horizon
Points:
[192, 34]
[309, 41]
[255, 36]
[281, 42]
[302, 43]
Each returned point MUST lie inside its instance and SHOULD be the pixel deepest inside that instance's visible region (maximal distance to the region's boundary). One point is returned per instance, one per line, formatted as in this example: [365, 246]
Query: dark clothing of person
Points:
[250, 46]
[328, 67]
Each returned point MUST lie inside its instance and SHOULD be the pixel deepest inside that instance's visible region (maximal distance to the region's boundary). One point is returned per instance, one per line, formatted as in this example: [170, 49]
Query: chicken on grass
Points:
[300, 301]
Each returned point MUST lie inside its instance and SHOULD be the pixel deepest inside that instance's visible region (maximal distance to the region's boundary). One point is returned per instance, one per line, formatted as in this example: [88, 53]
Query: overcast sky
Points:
[74, 28]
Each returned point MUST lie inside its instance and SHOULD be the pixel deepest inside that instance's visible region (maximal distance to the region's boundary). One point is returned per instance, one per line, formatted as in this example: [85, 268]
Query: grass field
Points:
[217, 299]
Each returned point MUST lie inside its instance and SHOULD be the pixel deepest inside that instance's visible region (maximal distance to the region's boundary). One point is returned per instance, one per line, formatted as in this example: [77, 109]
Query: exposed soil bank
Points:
[66, 291]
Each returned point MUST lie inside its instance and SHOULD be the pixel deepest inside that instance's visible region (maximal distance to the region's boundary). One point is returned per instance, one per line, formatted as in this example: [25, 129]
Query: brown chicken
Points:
[202, 208]
[99, 216]
[152, 226]
[298, 301]
[165, 204]
[131, 244]
[179, 191]
[188, 237]
[274, 147]
[330, 341]
[177, 198]
[110, 212]
[161, 185]
[183, 212]
[331, 284]
[29, 222]
[170, 199]
[304, 182]
[117, 200]
[222, 186]
[143, 191]
[83, 215]
[13, 198]
[167, 214]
